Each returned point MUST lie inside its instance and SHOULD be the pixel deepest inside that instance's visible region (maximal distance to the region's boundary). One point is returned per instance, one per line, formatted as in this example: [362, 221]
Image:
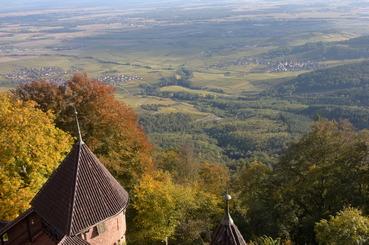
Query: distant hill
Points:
[337, 79]
[336, 93]
[354, 48]
[358, 42]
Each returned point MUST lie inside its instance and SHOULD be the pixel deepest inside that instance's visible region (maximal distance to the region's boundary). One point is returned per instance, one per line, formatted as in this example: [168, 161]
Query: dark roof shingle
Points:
[79, 194]
[227, 232]
[3, 224]
[75, 240]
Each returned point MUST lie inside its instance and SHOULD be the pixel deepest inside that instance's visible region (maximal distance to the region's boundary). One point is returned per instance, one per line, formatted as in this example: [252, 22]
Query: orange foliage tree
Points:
[109, 126]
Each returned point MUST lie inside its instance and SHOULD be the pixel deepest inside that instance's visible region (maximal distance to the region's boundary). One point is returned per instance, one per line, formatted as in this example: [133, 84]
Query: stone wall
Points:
[113, 234]
[29, 230]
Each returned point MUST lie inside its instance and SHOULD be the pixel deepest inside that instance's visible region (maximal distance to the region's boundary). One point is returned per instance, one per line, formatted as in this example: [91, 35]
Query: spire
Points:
[227, 232]
[227, 217]
[79, 194]
[78, 128]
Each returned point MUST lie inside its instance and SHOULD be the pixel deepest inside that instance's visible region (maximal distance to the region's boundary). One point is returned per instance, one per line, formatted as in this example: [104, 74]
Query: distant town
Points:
[59, 75]
[116, 79]
[50, 73]
[271, 66]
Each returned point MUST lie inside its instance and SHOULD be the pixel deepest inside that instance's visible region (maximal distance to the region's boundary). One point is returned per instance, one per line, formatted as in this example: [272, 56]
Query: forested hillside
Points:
[336, 93]
[336, 80]
[175, 195]
[258, 125]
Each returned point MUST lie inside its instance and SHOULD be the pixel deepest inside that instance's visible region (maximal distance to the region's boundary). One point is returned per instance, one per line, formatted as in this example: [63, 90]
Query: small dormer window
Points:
[83, 235]
[100, 228]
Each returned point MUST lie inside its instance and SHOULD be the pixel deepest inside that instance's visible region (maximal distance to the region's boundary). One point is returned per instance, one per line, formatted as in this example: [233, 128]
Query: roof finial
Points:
[227, 198]
[227, 220]
[78, 128]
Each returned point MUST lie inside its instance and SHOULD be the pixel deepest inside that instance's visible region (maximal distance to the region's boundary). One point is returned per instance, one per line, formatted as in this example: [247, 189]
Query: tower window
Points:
[5, 237]
[101, 228]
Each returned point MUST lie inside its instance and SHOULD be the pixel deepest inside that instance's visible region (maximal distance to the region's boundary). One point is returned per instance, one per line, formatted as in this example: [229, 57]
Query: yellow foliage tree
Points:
[30, 149]
[160, 205]
[349, 226]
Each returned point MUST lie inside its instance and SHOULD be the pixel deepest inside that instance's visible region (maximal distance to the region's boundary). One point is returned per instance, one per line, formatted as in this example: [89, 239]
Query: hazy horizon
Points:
[46, 4]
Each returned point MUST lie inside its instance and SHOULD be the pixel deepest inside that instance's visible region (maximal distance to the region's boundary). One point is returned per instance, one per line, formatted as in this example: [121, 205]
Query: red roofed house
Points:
[81, 203]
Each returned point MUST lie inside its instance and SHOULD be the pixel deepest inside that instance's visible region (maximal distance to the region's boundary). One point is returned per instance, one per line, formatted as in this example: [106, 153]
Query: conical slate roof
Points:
[75, 240]
[79, 194]
[227, 232]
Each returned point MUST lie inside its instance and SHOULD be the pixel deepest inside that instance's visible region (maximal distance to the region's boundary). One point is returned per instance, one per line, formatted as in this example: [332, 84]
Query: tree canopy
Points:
[348, 226]
[109, 126]
[160, 205]
[31, 147]
[179, 198]
[325, 171]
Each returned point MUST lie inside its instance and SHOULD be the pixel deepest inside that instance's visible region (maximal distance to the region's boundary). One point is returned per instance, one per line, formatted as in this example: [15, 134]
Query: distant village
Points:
[116, 79]
[271, 66]
[59, 75]
[50, 73]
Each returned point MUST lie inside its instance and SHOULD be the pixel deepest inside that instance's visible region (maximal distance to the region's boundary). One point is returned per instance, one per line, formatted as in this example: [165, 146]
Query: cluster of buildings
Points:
[59, 75]
[81, 204]
[116, 79]
[284, 66]
[51, 73]
[238, 62]
[270, 66]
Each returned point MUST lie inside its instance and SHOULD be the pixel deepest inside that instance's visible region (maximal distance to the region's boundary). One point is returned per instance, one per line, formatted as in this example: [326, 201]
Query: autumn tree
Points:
[179, 163]
[109, 126]
[30, 149]
[172, 161]
[201, 218]
[349, 226]
[160, 205]
[207, 181]
[213, 178]
[47, 95]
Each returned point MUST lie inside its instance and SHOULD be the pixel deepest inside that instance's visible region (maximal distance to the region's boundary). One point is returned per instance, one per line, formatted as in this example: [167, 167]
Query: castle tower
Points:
[81, 203]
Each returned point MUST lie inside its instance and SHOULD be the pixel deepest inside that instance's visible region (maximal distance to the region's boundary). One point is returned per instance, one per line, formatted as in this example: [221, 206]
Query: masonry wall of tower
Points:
[109, 232]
